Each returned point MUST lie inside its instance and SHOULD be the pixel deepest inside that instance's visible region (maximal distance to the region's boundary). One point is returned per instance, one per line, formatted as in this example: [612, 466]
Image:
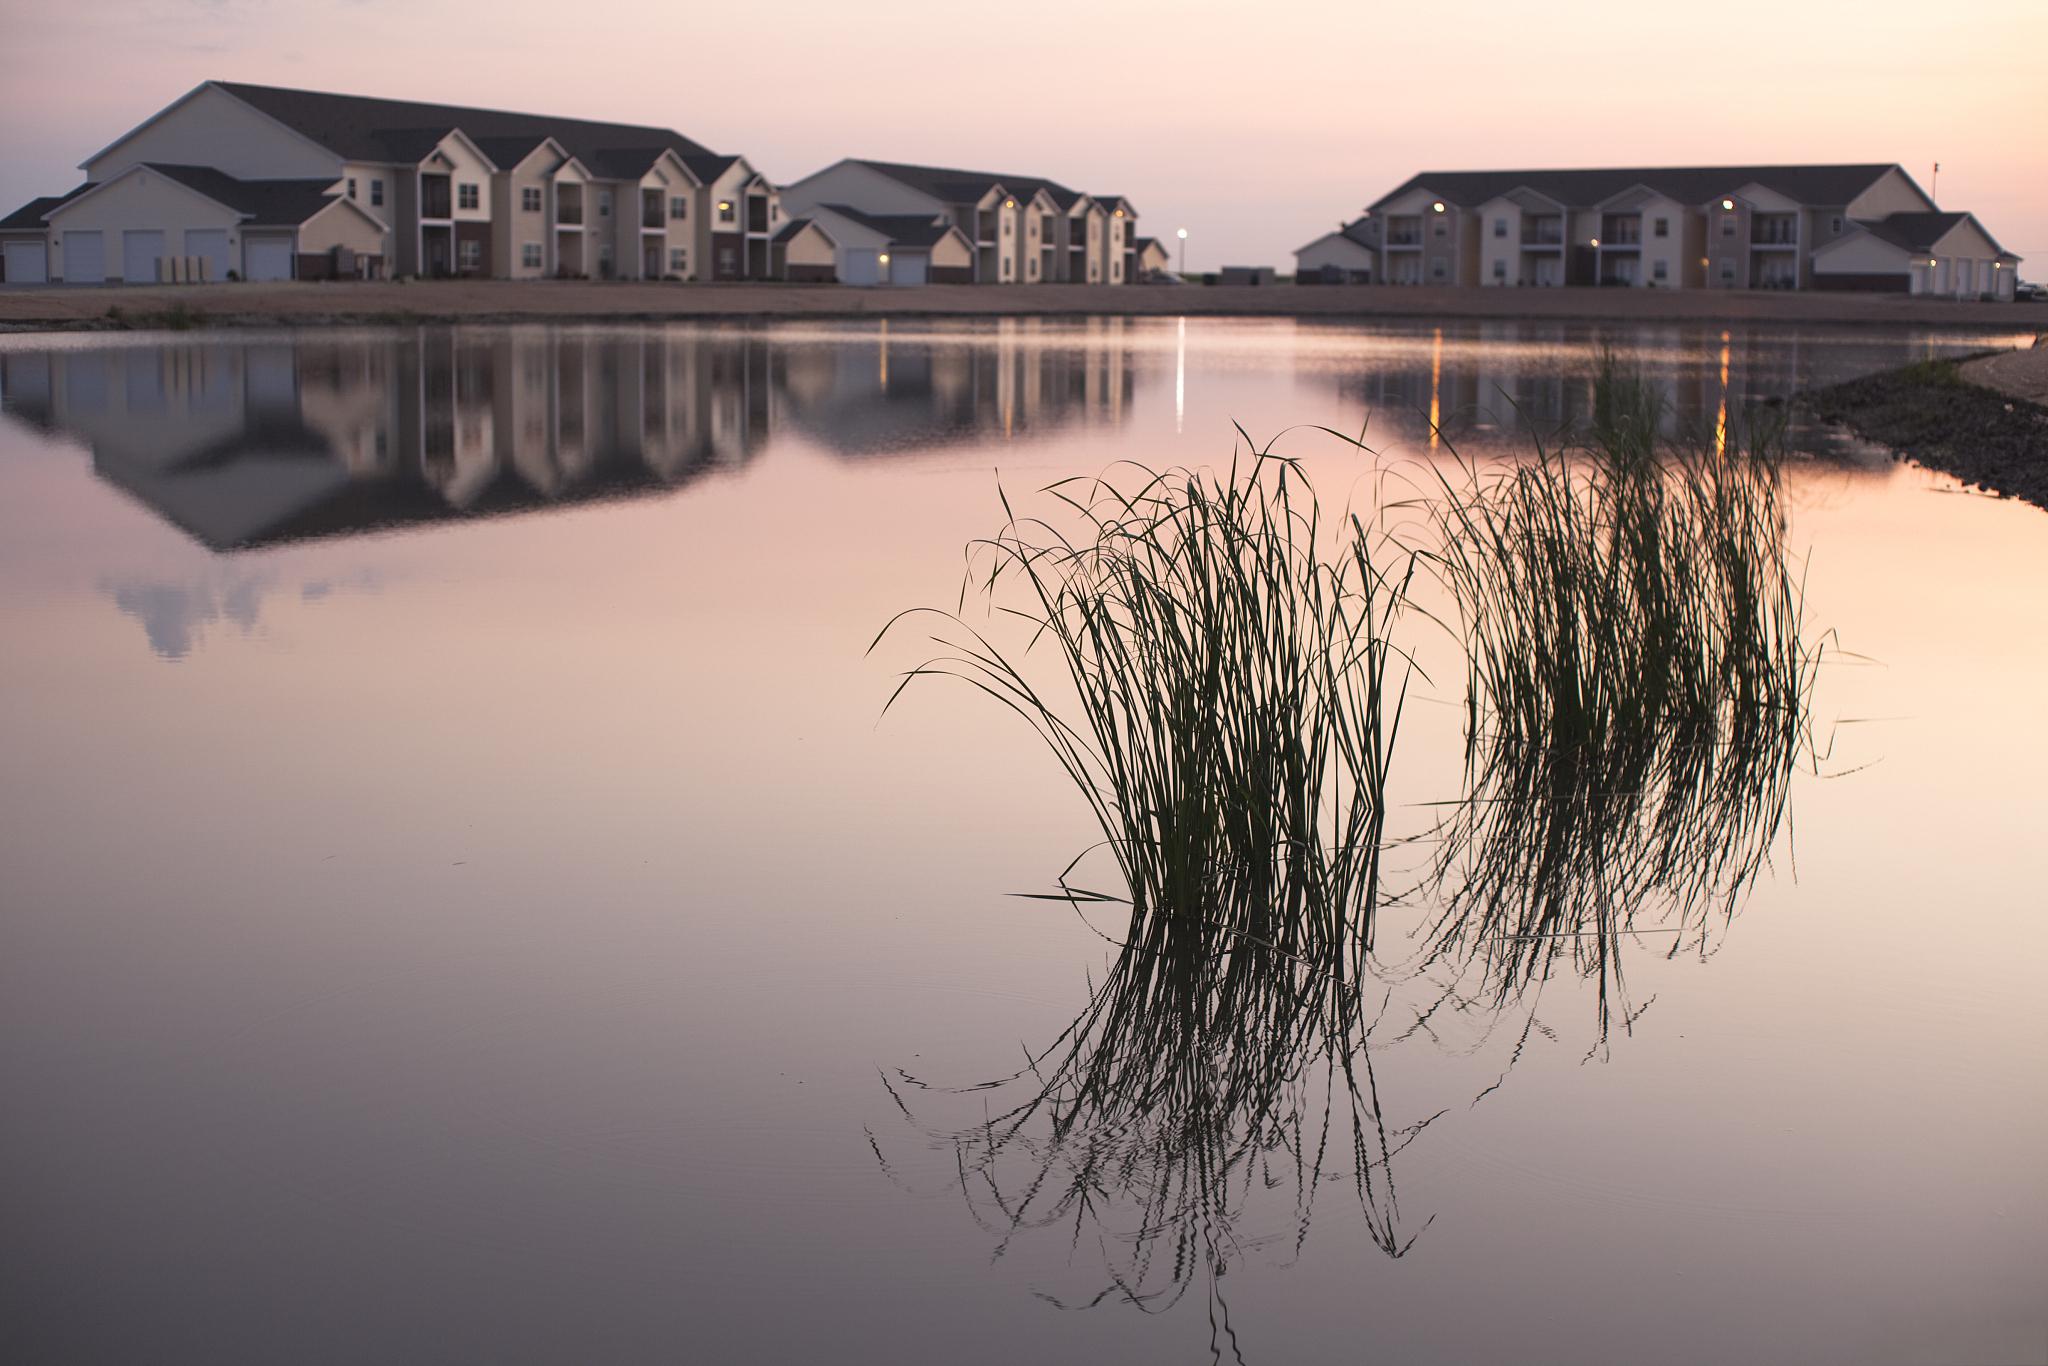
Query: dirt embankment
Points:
[1981, 420]
[506, 300]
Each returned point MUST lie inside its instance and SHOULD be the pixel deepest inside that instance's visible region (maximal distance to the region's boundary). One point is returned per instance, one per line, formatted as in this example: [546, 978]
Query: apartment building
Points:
[1843, 227]
[1019, 229]
[204, 189]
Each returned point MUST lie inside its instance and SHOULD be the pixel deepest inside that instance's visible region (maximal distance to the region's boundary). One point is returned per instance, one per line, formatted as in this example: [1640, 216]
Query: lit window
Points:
[466, 196]
[529, 256]
[529, 198]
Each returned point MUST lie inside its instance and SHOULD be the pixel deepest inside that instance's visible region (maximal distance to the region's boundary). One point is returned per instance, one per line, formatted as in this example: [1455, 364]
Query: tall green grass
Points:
[1224, 691]
[1639, 686]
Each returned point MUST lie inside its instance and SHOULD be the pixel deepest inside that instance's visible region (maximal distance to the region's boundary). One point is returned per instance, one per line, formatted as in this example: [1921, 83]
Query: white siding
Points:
[1893, 193]
[850, 183]
[213, 128]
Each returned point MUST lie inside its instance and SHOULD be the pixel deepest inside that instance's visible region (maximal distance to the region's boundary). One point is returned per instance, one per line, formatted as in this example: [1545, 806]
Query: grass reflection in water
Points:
[1234, 674]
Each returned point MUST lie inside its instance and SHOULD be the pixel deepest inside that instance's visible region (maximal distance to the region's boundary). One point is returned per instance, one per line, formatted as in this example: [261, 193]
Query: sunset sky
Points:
[1256, 129]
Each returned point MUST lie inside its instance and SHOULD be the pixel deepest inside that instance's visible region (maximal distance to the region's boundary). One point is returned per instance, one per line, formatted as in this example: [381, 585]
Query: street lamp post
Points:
[1183, 253]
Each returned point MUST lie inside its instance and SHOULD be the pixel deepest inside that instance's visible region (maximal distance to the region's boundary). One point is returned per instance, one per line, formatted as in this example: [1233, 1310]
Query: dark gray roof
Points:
[359, 128]
[950, 185]
[275, 202]
[708, 166]
[902, 229]
[1916, 232]
[30, 215]
[507, 152]
[1820, 185]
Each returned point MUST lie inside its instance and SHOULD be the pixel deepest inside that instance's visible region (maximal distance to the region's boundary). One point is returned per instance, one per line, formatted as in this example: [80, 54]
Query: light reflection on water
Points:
[489, 936]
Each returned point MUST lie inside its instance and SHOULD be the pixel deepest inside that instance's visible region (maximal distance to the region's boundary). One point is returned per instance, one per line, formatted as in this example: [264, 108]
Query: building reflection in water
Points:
[247, 443]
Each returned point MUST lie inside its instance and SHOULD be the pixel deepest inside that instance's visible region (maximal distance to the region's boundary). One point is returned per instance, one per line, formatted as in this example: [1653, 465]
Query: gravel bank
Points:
[1941, 415]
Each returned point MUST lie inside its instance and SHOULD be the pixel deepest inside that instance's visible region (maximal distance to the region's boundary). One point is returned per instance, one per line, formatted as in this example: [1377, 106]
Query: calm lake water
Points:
[460, 900]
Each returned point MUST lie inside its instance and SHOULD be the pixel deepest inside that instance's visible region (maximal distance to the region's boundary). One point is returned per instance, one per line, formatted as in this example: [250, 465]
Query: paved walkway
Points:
[305, 303]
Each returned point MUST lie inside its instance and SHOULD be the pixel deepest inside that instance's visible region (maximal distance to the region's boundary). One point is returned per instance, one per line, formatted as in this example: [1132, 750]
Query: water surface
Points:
[460, 904]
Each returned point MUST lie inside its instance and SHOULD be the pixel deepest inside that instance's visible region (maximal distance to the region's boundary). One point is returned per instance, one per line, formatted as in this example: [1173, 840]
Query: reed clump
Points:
[1638, 687]
[1225, 692]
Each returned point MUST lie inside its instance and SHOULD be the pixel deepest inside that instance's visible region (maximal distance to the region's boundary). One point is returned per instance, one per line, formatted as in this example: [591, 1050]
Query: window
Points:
[529, 256]
[1727, 272]
[1006, 268]
[465, 196]
[1500, 227]
[1835, 224]
[470, 253]
[1031, 268]
[1442, 229]
[1727, 225]
[377, 193]
[728, 261]
[1660, 227]
[678, 260]
[678, 207]
[1500, 271]
[351, 187]
[1437, 269]
[1007, 225]
[529, 199]
[726, 212]
[1660, 269]
[604, 203]
[1116, 270]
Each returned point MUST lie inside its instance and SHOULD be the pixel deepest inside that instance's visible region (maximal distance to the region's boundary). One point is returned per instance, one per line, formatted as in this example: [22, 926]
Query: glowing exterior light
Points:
[1596, 241]
[1009, 203]
[1118, 214]
[725, 206]
[1728, 204]
[1930, 263]
[1437, 207]
[885, 258]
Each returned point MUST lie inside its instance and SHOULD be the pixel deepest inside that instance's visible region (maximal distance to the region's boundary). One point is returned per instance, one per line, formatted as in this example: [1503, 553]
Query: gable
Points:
[210, 127]
[851, 182]
[141, 196]
[1861, 253]
[1893, 192]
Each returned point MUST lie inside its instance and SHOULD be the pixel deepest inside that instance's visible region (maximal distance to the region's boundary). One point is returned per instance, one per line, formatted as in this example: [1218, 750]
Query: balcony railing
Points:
[1405, 238]
[650, 216]
[435, 199]
[1773, 234]
[569, 215]
[1551, 236]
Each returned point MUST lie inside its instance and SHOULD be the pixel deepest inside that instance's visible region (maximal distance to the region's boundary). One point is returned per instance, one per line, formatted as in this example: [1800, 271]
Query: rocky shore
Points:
[1946, 415]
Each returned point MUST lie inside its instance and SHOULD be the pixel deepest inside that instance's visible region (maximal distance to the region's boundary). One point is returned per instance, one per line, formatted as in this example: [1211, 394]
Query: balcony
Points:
[1404, 232]
[569, 208]
[651, 211]
[1621, 230]
[436, 199]
[1774, 231]
[1543, 232]
[757, 213]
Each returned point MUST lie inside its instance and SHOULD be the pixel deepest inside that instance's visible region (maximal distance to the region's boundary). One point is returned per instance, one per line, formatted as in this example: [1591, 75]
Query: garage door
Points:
[140, 252]
[85, 258]
[909, 268]
[211, 246]
[860, 268]
[268, 258]
[28, 263]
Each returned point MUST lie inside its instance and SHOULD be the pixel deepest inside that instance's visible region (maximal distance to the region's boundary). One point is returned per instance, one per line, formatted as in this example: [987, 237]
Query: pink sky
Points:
[1256, 130]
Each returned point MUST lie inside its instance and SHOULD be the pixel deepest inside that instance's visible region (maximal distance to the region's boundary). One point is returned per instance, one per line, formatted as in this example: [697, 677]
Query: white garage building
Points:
[1942, 254]
[892, 249]
[155, 222]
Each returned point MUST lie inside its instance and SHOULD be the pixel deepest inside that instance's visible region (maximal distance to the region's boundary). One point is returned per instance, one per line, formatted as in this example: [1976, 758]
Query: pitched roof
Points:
[360, 128]
[708, 166]
[950, 185]
[1916, 232]
[792, 228]
[903, 229]
[508, 151]
[30, 215]
[264, 201]
[1685, 184]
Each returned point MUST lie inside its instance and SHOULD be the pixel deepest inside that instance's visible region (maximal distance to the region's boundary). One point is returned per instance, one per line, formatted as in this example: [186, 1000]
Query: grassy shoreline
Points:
[306, 304]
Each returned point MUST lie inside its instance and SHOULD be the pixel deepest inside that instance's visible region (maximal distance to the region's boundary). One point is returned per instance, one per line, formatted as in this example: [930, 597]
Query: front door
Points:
[439, 261]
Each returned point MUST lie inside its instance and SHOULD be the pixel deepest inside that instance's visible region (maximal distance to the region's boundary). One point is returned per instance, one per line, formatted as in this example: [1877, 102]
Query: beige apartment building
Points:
[1842, 227]
[431, 190]
[1020, 229]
